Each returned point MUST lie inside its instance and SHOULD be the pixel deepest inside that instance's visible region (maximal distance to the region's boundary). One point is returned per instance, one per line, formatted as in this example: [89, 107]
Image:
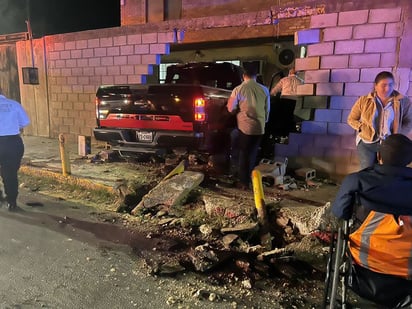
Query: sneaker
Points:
[3, 201]
[13, 208]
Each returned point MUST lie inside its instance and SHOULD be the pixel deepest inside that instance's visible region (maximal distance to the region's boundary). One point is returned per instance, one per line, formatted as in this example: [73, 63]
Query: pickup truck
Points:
[188, 110]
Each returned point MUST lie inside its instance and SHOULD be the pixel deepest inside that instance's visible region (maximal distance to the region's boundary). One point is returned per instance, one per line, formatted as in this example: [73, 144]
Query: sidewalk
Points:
[42, 155]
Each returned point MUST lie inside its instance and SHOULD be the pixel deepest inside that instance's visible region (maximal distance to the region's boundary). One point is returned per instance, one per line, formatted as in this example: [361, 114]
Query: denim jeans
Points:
[367, 154]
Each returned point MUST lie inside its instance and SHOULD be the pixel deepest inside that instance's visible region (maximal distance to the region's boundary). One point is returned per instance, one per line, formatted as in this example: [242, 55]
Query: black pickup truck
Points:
[189, 111]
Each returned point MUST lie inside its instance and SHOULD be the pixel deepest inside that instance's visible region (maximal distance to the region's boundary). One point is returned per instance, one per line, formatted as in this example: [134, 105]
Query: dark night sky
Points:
[58, 16]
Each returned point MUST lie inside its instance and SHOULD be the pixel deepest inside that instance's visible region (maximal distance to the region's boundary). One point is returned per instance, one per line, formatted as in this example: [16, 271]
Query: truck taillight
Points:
[97, 101]
[200, 114]
[100, 113]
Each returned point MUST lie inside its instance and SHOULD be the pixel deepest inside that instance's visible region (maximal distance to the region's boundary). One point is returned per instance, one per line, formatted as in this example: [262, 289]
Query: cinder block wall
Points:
[351, 48]
[76, 64]
[134, 11]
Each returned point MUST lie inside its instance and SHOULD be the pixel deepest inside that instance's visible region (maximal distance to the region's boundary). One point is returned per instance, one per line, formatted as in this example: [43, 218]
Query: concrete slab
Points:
[170, 192]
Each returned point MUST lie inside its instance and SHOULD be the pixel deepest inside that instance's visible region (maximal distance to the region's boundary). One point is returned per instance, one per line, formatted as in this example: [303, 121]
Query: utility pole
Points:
[29, 31]
[31, 41]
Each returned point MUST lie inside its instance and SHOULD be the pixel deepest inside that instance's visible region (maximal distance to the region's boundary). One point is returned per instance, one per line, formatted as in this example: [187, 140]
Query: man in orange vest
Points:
[381, 248]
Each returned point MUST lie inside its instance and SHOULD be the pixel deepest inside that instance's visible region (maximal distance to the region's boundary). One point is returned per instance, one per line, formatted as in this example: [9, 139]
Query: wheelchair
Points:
[343, 276]
[337, 269]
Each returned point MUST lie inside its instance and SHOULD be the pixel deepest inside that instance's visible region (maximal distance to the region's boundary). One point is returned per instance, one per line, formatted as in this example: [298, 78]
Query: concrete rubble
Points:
[307, 219]
[227, 207]
[292, 221]
[170, 192]
[204, 257]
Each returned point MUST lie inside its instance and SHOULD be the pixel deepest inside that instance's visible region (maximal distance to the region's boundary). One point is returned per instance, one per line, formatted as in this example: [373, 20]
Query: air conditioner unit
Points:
[285, 54]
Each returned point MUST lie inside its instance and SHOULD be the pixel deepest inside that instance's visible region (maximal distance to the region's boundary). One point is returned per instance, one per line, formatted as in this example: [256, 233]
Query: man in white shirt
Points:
[250, 101]
[283, 117]
[13, 120]
[287, 86]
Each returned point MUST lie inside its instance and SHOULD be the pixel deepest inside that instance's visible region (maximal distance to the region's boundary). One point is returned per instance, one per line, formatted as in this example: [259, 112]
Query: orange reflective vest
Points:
[384, 244]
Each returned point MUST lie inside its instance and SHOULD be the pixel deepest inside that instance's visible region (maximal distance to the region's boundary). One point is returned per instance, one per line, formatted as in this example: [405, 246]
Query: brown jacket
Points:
[361, 116]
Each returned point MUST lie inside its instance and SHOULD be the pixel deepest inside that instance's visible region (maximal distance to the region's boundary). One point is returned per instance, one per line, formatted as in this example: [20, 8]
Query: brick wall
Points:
[77, 65]
[351, 48]
[347, 48]
[134, 11]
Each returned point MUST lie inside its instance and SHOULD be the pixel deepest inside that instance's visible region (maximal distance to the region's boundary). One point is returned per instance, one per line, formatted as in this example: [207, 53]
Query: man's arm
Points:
[278, 87]
[233, 102]
[267, 103]
[23, 118]
[342, 207]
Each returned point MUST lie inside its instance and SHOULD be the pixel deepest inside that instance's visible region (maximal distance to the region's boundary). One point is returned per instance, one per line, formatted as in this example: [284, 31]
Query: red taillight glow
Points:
[199, 102]
[100, 112]
[96, 101]
[200, 114]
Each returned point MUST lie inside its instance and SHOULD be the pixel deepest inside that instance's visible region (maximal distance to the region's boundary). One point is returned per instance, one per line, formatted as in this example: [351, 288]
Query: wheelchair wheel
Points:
[336, 269]
[326, 296]
[335, 273]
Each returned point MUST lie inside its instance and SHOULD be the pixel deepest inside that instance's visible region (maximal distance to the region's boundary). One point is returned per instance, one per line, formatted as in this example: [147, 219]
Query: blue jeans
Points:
[367, 154]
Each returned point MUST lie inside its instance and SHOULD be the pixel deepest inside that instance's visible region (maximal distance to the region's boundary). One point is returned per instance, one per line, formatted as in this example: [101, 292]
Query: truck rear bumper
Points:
[160, 142]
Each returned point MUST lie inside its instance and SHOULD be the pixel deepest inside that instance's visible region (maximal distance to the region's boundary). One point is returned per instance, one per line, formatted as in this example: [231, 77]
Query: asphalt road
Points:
[55, 254]
[43, 268]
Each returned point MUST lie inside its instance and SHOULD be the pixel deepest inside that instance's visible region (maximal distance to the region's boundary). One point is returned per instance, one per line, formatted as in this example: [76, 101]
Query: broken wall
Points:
[346, 51]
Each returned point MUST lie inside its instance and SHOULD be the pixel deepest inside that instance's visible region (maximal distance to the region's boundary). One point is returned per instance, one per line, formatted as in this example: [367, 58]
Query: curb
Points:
[70, 179]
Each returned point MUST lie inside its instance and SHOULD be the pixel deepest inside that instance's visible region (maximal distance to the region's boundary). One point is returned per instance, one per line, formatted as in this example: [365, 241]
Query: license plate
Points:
[145, 136]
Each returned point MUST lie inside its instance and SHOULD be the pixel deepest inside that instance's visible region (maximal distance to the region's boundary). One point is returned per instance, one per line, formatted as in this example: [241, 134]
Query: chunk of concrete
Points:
[169, 268]
[277, 252]
[241, 228]
[205, 258]
[306, 173]
[228, 239]
[171, 192]
[310, 218]
[229, 208]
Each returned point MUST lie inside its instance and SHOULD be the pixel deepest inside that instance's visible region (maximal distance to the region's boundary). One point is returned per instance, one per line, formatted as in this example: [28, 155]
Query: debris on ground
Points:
[170, 192]
[190, 200]
[305, 173]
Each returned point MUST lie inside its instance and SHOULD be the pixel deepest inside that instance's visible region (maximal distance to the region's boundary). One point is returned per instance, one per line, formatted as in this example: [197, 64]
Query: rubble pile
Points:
[225, 224]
